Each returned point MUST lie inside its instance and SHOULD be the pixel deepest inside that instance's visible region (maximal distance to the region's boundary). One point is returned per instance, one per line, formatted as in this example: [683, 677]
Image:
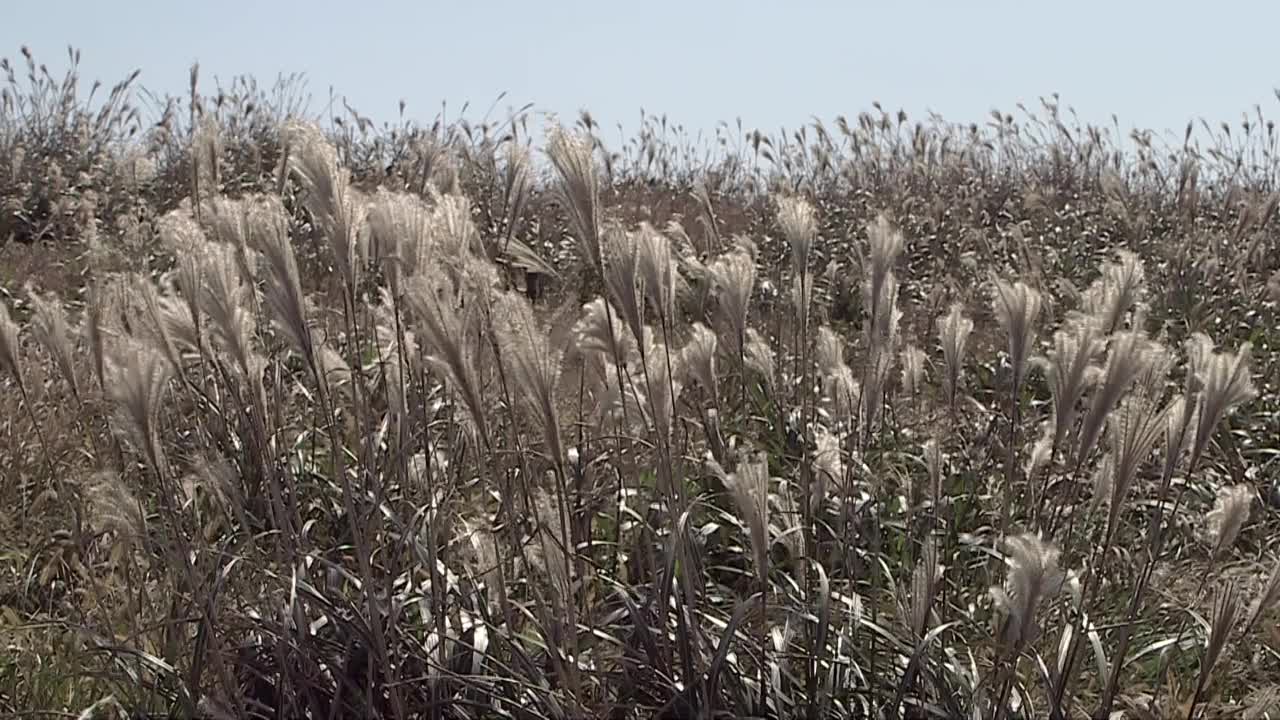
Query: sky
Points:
[772, 64]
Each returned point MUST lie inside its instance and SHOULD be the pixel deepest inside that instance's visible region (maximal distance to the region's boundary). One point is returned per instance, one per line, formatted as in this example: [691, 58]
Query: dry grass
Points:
[878, 420]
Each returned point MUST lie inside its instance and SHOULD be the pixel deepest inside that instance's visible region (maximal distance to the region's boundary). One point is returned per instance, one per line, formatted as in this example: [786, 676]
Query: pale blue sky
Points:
[1155, 64]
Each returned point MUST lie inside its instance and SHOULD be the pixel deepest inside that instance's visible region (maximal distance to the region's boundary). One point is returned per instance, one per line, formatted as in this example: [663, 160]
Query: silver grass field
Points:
[304, 417]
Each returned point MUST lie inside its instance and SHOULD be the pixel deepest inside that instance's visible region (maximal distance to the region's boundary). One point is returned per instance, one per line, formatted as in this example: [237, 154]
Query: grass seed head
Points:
[1229, 514]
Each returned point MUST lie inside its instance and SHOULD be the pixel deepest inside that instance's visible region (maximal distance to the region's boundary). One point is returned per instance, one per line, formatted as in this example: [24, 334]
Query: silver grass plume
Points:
[179, 324]
[398, 384]
[913, 362]
[114, 509]
[734, 276]
[691, 271]
[614, 387]
[98, 308]
[1070, 371]
[225, 298]
[1225, 608]
[50, 328]
[884, 323]
[698, 358]
[594, 337]
[924, 588]
[400, 226]
[883, 342]
[790, 533]
[578, 188]
[622, 278]
[1130, 354]
[551, 552]
[1120, 288]
[1153, 380]
[828, 350]
[759, 356]
[517, 183]
[885, 244]
[206, 151]
[933, 462]
[802, 298]
[107, 708]
[446, 329]
[844, 391]
[1017, 308]
[749, 484]
[1033, 577]
[333, 368]
[230, 222]
[1229, 514]
[1041, 451]
[217, 479]
[657, 269]
[454, 229]
[535, 365]
[153, 326]
[283, 291]
[330, 197]
[873, 389]
[838, 384]
[828, 465]
[799, 228]
[663, 385]
[9, 355]
[139, 377]
[1134, 429]
[1267, 600]
[183, 238]
[953, 333]
[1178, 432]
[1198, 348]
[1225, 384]
[1103, 478]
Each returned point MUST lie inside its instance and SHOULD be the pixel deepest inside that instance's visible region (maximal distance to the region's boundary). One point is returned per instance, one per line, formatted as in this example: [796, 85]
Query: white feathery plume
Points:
[1229, 514]
[50, 328]
[1130, 355]
[657, 268]
[733, 276]
[1267, 599]
[1225, 384]
[139, 377]
[594, 337]
[622, 278]
[535, 365]
[1033, 577]
[1134, 429]
[1070, 371]
[1017, 308]
[953, 333]
[9, 355]
[578, 189]
[913, 364]
[335, 204]
[799, 227]
[885, 244]
[1120, 288]
[759, 356]
[698, 358]
[750, 487]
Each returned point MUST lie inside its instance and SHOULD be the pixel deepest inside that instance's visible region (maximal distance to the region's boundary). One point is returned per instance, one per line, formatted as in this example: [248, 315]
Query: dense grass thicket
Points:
[302, 417]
